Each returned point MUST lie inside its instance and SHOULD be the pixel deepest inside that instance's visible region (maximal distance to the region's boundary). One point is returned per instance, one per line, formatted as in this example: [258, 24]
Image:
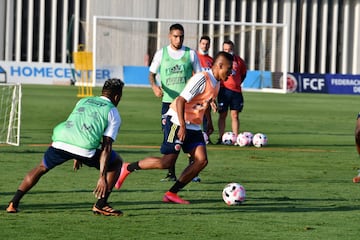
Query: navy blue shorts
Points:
[171, 143]
[230, 99]
[164, 108]
[54, 157]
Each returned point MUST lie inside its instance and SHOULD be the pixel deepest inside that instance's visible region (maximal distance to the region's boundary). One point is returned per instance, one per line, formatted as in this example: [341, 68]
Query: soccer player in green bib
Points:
[174, 64]
[86, 136]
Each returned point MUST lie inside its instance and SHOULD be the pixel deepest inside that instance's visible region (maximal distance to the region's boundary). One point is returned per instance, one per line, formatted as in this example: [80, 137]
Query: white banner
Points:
[45, 73]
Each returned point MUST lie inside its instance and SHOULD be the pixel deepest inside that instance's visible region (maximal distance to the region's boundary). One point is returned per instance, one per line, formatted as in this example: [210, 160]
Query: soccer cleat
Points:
[168, 178]
[356, 179]
[11, 208]
[170, 197]
[123, 174]
[196, 179]
[107, 210]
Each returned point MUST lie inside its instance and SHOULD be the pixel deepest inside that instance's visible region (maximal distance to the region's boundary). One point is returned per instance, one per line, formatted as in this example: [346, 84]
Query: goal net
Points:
[10, 111]
[124, 47]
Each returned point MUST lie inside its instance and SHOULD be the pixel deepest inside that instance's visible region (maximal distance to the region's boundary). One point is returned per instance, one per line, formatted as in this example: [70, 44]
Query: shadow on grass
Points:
[205, 206]
[136, 208]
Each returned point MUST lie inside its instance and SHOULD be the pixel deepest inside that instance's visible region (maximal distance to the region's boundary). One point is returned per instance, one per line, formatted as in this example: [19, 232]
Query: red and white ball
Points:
[244, 139]
[260, 140]
[234, 194]
[229, 138]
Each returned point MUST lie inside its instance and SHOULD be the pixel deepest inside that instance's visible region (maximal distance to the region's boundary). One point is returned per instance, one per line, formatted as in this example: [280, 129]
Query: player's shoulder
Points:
[191, 50]
[239, 59]
[202, 75]
[160, 51]
[209, 57]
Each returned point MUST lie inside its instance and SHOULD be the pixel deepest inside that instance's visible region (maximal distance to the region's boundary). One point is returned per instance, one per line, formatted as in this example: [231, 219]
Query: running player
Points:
[183, 128]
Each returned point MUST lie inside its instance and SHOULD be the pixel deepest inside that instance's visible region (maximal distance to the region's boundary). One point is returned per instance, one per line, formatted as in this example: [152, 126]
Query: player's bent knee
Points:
[202, 162]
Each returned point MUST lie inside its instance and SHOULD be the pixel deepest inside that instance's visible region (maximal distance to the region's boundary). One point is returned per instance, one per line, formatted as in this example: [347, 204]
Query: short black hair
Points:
[226, 55]
[228, 42]
[113, 86]
[205, 38]
[176, 26]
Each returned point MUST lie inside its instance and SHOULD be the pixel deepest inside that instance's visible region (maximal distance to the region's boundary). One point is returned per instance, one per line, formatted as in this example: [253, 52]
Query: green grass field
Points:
[298, 187]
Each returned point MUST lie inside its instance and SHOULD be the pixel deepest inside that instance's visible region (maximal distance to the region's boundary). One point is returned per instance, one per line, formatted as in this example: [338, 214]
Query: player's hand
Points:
[101, 188]
[213, 106]
[181, 133]
[157, 91]
[77, 165]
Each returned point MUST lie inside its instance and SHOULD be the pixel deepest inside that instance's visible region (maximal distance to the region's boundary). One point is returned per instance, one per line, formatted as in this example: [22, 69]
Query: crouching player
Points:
[94, 122]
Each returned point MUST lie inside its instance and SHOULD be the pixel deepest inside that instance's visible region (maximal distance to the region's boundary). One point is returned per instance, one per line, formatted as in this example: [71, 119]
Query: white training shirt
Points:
[114, 123]
[175, 54]
[195, 86]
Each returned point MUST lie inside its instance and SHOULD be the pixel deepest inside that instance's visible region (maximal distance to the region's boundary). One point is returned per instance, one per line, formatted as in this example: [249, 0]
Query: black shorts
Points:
[54, 157]
[171, 143]
[230, 99]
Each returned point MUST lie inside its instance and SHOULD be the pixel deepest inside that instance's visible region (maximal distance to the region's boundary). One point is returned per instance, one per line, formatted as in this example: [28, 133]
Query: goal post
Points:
[126, 41]
[10, 114]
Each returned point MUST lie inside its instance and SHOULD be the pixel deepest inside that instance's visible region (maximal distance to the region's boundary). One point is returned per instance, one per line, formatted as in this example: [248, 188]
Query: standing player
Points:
[183, 128]
[94, 122]
[206, 62]
[357, 144]
[175, 64]
[230, 95]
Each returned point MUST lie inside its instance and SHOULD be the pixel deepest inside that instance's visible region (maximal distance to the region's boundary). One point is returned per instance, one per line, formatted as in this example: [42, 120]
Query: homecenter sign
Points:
[46, 73]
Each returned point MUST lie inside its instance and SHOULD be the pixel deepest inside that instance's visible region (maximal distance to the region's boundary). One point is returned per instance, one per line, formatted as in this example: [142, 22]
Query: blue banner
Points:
[327, 83]
[343, 84]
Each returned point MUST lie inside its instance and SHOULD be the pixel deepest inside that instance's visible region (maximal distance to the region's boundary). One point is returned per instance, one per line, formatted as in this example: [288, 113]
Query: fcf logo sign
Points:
[313, 83]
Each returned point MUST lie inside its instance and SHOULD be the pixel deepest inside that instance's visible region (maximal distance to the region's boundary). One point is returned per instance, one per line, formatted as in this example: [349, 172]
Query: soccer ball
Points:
[260, 140]
[244, 139]
[249, 135]
[234, 194]
[229, 138]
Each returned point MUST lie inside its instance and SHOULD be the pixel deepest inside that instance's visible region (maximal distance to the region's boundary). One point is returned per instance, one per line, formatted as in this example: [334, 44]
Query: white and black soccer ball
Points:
[229, 138]
[260, 140]
[234, 194]
[244, 139]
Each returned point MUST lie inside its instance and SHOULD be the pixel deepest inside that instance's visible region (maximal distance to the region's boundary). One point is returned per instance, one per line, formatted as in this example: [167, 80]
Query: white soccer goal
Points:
[10, 113]
[126, 41]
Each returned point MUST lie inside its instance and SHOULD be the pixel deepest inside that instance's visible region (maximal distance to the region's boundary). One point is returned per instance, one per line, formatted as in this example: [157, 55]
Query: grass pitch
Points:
[298, 187]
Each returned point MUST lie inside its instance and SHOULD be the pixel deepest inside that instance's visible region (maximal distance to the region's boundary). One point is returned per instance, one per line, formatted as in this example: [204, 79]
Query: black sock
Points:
[16, 199]
[177, 187]
[133, 167]
[171, 172]
[103, 201]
